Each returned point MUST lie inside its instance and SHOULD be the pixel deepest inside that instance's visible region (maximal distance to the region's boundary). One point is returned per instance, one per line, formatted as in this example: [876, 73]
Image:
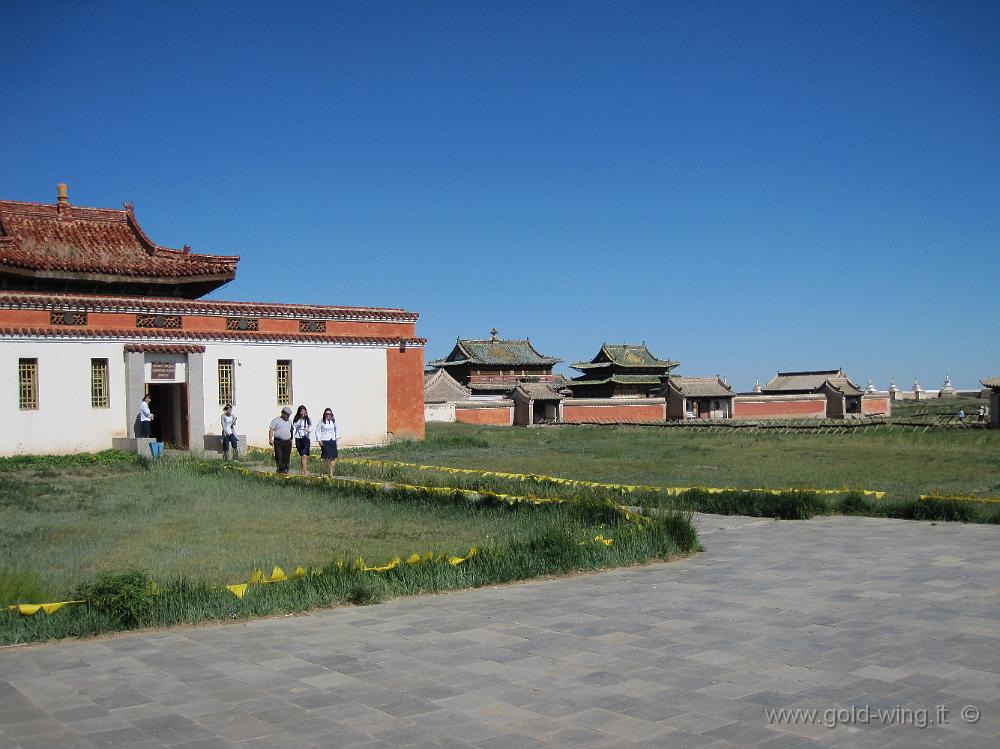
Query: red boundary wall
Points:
[498, 416]
[763, 407]
[614, 414]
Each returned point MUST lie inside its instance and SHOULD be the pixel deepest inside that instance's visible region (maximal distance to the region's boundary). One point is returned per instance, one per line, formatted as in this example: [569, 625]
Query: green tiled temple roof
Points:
[618, 379]
[625, 355]
[496, 352]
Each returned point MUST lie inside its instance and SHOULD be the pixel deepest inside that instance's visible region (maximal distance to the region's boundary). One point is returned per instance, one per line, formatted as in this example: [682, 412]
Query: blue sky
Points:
[745, 186]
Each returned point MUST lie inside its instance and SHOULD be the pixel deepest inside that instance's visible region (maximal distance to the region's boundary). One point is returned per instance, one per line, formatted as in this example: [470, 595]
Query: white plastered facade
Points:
[352, 380]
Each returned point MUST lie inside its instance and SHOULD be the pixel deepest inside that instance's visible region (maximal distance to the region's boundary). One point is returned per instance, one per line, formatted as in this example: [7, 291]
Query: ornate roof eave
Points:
[157, 334]
[112, 303]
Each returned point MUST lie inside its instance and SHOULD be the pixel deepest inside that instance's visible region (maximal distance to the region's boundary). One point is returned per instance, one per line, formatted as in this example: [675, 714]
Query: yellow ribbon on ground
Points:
[30, 609]
[625, 488]
[962, 498]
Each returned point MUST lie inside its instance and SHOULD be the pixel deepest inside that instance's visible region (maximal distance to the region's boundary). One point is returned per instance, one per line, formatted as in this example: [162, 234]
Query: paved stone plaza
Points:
[828, 613]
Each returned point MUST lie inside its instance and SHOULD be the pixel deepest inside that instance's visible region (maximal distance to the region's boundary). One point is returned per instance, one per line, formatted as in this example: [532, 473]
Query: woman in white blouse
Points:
[326, 436]
[301, 430]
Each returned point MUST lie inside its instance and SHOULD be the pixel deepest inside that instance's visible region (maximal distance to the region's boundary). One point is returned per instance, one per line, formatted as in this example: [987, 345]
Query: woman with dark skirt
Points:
[326, 435]
[301, 430]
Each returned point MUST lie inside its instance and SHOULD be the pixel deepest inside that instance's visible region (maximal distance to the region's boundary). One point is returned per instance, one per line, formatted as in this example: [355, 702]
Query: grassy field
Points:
[903, 409]
[904, 464]
[192, 526]
[61, 527]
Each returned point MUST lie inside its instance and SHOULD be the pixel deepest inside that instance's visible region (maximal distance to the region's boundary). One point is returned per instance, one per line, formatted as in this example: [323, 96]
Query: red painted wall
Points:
[405, 372]
[613, 414]
[875, 405]
[778, 409]
[501, 416]
[210, 323]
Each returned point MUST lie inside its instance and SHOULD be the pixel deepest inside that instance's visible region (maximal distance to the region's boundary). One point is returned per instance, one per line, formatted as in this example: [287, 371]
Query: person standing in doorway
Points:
[326, 435]
[145, 425]
[279, 435]
[302, 428]
[229, 438]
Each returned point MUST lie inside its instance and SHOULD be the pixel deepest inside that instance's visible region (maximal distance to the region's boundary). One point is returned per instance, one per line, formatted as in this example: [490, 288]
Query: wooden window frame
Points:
[283, 382]
[227, 381]
[100, 381]
[27, 384]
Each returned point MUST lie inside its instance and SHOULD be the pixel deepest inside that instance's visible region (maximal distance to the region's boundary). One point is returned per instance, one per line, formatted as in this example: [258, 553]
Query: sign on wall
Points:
[163, 370]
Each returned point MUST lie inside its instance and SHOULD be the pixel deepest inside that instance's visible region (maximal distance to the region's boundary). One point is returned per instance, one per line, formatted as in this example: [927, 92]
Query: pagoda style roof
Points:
[812, 381]
[496, 352]
[538, 391]
[620, 379]
[67, 247]
[441, 387]
[699, 387]
[991, 382]
[624, 355]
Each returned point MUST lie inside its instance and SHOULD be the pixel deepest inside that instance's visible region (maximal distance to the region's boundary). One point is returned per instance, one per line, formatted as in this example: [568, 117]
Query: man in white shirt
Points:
[229, 438]
[279, 435]
[145, 425]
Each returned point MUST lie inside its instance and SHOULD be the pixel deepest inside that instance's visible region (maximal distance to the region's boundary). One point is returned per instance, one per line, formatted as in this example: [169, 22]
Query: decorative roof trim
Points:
[165, 348]
[991, 382]
[618, 380]
[107, 303]
[159, 334]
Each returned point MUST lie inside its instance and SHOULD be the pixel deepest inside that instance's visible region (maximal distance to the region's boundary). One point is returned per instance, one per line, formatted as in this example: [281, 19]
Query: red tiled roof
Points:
[193, 335]
[102, 303]
[165, 348]
[73, 239]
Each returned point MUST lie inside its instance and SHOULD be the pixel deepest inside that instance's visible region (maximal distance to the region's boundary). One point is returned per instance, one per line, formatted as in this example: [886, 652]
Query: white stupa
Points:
[947, 388]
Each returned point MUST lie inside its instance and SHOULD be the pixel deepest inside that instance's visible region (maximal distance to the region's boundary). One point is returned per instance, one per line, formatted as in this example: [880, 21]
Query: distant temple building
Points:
[820, 393]
[620, 371]
[495, 366]
[698, 397]
[94, 315]
[842, 395]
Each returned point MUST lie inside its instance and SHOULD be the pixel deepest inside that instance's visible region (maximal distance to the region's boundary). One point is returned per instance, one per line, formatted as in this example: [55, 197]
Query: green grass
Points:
[904, 464]
[906, 409]
[190, 526]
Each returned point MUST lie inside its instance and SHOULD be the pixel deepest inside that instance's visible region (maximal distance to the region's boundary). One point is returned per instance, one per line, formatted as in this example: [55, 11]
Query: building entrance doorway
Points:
[170, 407]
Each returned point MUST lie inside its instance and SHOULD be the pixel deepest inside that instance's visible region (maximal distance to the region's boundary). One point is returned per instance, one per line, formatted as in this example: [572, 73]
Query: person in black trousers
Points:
[279, 435]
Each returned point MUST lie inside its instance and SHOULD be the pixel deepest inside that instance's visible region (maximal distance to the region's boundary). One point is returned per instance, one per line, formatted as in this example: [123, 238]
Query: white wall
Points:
[439, 412]
[351, 380]
[65, 422]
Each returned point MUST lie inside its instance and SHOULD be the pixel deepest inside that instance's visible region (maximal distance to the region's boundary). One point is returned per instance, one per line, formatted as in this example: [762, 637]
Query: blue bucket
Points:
[156, 449]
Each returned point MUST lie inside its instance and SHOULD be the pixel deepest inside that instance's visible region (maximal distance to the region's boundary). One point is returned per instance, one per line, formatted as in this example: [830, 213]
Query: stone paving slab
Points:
[848, 614]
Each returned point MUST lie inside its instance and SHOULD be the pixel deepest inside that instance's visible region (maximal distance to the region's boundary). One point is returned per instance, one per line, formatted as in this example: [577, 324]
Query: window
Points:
[284, 382]
[99, 383]
[226, 382]
[27, 384]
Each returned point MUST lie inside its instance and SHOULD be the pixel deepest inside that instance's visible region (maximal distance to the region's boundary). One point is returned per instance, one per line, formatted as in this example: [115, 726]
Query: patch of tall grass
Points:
[554, 548]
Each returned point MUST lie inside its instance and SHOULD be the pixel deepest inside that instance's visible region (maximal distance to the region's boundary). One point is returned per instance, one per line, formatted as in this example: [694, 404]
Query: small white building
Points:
[93, 315]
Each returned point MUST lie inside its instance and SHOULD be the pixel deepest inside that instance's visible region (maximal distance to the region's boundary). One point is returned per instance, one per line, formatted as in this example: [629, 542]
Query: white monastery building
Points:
[94, 315]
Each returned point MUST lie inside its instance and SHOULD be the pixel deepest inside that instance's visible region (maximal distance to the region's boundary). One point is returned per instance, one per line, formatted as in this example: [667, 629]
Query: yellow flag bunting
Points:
[624, 488]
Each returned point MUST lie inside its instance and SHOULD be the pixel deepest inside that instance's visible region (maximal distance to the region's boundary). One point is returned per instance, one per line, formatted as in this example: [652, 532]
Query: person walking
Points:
[279, 436]
[302, 428]
[145, 425]
[229, 438]
[326, 436]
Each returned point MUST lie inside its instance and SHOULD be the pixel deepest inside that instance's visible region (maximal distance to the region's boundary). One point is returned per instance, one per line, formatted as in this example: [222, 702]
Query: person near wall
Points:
[279, 436]
[229, 438]
[326, 436]
[145, 425]
[302, 428]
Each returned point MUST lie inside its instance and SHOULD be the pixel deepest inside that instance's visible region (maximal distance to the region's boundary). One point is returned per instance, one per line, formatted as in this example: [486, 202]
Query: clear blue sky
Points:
[747, 186]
